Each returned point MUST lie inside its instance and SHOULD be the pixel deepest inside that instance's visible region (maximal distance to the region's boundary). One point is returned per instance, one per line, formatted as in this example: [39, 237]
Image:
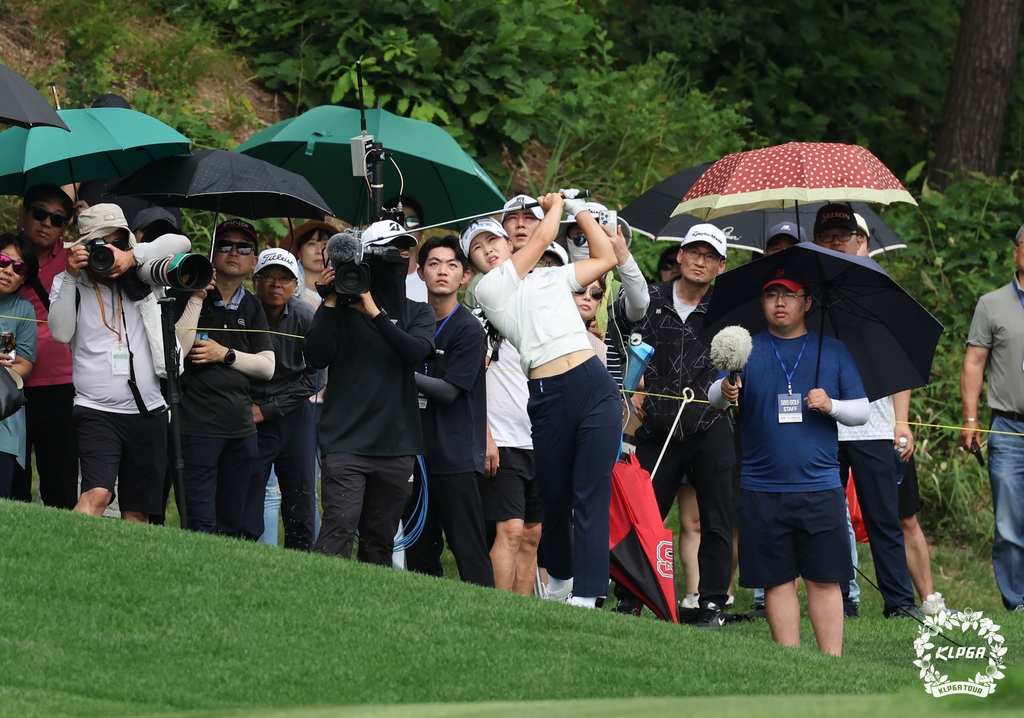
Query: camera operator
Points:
[112, 322]
[218, 432]
[369, 431]
[281, 407]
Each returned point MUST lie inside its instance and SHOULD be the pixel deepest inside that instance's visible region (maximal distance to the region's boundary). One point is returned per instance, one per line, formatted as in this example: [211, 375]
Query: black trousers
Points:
[286, 444]
[454, 506]
[367, 493]
[217, 474]
[874, 473]
[51, 432]
[706, 460]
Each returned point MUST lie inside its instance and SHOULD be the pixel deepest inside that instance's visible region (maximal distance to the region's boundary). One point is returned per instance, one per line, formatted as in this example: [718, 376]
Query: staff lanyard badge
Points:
[421, 398]
[790, 405]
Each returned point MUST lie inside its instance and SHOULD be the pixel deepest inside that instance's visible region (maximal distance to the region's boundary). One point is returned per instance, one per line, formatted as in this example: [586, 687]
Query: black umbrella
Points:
[22, 105]
[227, 182]
[650, 213]
[891, 337]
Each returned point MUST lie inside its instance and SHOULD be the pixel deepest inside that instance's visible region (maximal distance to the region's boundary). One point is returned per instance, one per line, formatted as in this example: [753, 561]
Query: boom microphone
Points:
[730, 350]
[344, 248]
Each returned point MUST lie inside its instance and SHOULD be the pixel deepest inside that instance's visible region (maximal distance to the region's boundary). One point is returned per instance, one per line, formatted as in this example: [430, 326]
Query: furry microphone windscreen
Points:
[730, 349]
[344, 248]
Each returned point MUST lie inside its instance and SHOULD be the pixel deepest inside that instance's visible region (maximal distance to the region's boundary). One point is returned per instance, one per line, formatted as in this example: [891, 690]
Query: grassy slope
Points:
[98, 617]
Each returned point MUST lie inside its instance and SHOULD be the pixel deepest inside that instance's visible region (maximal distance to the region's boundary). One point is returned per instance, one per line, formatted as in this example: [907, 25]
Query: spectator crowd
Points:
[473, 397]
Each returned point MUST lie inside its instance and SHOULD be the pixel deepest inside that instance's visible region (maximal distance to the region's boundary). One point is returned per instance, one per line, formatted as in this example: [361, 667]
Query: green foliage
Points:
[859, 71]
[493, 72]
[959, 247]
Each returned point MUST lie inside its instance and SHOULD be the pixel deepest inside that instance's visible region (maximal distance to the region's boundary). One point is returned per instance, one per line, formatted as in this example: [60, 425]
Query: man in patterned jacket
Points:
[701, 448]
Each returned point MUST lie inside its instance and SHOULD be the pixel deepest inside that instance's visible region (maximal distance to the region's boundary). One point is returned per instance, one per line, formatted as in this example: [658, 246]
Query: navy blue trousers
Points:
[286, 444]
[874, 473]
[217, 474]
[577, 426]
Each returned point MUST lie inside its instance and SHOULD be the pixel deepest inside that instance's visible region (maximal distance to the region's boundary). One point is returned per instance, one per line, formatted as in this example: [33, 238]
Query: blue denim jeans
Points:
[1006, 472]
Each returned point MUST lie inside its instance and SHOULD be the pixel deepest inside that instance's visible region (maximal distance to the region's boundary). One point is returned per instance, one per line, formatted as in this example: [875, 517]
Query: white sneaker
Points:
[934, 604]
[561, 595]
[692, 600]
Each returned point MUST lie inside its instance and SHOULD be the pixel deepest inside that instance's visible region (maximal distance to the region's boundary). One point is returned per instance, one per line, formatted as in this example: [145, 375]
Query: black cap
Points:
[149, 215]
[832, 216]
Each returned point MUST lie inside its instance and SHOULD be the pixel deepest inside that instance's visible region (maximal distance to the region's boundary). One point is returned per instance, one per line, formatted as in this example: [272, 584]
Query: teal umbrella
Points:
[104, 142]
[435, 170]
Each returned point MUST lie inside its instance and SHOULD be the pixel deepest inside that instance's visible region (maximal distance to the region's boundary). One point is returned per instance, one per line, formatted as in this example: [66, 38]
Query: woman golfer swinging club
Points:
[574, 404]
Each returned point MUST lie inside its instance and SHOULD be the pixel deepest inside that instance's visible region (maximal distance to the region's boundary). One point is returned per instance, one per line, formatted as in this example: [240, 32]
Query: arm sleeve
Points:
[636, 296]
[851, 412]
[436, 389]
[255, 366]
[716, 398]
[321, 342]
[165, 245]
[185, 327]
[414, 345]
[63, 310]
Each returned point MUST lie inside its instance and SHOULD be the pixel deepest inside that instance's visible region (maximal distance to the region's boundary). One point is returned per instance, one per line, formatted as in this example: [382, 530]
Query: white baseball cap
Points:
[519, 202]
[387, 231]
[862, 225]
[279, 257]
[479, 227]
[559, 251]
[708, 233]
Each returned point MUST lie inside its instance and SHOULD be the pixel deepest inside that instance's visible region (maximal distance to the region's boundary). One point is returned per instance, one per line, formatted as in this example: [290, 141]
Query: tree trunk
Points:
[979, 89]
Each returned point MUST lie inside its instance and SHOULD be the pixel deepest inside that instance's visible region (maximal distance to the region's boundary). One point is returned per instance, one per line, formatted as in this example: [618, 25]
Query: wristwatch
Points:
[229, 358]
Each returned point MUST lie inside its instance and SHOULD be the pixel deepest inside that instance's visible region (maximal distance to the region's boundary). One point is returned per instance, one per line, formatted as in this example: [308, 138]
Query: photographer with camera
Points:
[230, 347]
[372, 340]
[118, 354]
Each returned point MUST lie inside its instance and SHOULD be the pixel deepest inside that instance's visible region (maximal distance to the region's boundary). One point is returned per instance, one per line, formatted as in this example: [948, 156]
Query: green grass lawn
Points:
[99, 617]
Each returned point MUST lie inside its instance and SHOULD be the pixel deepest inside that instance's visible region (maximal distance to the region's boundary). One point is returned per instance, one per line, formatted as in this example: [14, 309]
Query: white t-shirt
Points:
[683, 310]
[93, 347]
[537, 314]
[507, 395]
[881, 424]
[415, 288]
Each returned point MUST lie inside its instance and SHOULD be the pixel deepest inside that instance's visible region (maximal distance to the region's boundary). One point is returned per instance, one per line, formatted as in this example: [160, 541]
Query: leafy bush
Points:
[959, 248]
[493, 72]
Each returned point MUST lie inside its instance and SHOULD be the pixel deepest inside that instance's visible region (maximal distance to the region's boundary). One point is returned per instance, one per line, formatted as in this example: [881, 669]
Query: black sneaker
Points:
[710, 615]
[910, 611]
[850, 610]
[629, 605]
[757, 611]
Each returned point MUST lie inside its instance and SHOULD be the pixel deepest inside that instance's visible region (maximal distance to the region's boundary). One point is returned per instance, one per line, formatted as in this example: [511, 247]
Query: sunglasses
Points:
[39, 215]
[668, 265]
[578, 239]
[19, 267]
[243, 248]
[595, 293]
[412, 222]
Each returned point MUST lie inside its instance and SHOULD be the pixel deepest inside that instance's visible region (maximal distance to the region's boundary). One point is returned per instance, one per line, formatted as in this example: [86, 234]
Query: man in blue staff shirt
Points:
[453, 412]
[792, 507]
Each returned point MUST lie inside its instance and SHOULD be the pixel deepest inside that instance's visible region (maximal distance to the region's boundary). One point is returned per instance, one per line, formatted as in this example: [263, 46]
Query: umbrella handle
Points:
[687, 398]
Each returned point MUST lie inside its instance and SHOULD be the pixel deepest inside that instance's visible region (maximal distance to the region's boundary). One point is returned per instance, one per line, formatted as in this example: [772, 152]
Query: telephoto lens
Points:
[190, 272]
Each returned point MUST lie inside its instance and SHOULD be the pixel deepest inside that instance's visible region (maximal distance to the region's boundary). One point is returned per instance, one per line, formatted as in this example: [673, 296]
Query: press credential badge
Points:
[790, 409]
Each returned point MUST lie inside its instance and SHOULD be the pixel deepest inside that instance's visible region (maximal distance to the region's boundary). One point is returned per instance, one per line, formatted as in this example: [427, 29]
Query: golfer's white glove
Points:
[574, 206]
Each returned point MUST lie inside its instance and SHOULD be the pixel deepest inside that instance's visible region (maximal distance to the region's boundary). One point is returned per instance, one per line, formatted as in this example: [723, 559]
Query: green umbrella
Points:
[104, 142]
[446, 181]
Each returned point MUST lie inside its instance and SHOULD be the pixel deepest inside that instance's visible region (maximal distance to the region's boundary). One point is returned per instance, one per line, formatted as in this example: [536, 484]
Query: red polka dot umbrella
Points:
[794, 173]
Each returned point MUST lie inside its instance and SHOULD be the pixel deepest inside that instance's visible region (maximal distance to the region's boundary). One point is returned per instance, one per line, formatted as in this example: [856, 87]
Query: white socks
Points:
[555, 584]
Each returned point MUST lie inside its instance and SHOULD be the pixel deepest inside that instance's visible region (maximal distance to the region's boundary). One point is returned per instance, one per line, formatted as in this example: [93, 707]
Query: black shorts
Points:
[908, 491]
[785, 535]
[128, 448]
[512, 492]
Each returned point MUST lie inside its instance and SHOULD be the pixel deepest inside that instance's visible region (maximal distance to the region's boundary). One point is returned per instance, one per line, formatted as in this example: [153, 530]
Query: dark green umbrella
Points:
[103, 142]
[436, 171]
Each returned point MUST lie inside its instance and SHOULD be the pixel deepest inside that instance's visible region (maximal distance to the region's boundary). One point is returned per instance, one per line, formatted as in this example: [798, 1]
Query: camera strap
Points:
[132, 385]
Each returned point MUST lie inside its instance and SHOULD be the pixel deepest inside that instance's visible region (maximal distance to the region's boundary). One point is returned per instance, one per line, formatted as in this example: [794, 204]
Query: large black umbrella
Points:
[650, 214]
[226, 182]
[891, 337]
[22, 105]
